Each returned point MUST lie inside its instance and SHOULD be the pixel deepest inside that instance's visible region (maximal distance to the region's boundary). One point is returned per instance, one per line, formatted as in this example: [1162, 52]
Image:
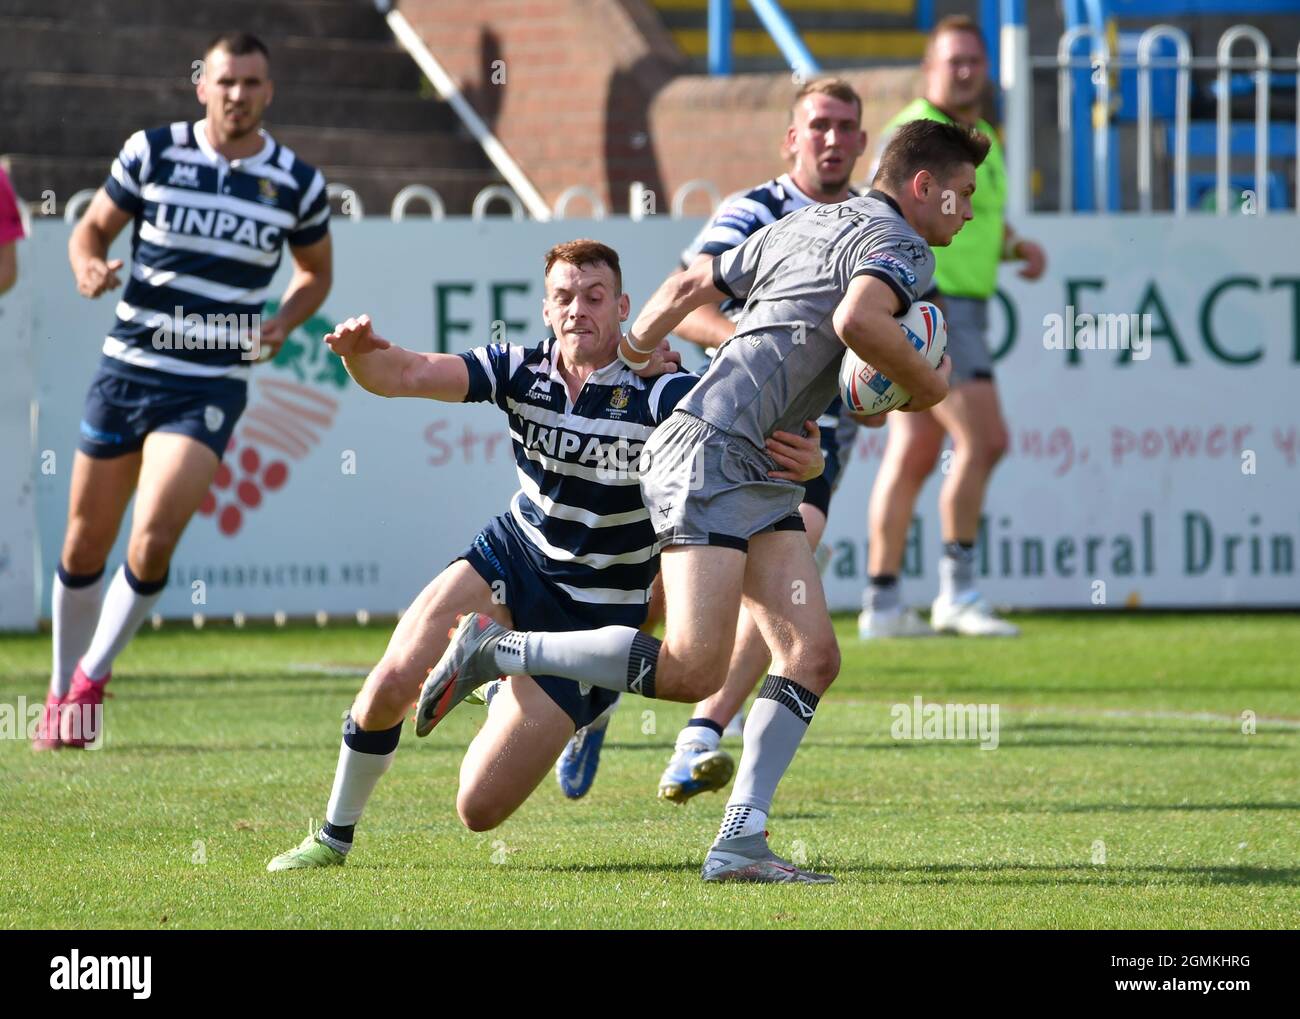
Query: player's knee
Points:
[82, 559]
[996, 442]
[384, 698]
[477, 812]
[918, 460]
[151, 551]
[819, 662]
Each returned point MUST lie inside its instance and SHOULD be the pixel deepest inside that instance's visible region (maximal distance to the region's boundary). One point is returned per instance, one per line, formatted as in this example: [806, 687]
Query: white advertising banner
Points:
[1166, 472]
[17, 487]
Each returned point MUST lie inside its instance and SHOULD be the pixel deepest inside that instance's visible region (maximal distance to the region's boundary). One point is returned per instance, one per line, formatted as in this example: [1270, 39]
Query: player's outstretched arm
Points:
[679, 294]
[385, 369]
[88, 246]
[864, 321]
[706, 325]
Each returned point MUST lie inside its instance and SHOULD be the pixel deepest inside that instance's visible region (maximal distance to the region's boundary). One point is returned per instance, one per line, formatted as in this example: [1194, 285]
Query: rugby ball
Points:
[865, 390]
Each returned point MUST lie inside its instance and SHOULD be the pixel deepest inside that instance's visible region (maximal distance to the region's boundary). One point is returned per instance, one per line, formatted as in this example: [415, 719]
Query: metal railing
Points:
[639, 205]
[1101, 64]
[778, 26]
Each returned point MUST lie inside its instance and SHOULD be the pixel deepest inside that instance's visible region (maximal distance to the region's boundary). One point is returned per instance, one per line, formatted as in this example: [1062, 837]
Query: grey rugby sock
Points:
[616, 658]
[773, 731]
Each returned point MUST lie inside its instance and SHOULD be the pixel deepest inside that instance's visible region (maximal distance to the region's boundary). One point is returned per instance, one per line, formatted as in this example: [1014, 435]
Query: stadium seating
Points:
[347, 97]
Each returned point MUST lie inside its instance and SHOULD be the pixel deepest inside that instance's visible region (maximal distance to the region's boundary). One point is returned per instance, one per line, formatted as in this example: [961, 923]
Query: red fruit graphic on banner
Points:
[284, 420]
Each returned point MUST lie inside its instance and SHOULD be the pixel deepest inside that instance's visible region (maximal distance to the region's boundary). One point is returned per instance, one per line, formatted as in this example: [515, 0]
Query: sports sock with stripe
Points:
[363, 759]
[75, 600]
[126, 605]
[956, 569]
[616, 658]
[773, 731]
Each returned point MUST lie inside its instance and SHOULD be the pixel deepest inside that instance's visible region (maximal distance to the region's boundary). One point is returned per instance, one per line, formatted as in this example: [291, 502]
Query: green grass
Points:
[1118, 729]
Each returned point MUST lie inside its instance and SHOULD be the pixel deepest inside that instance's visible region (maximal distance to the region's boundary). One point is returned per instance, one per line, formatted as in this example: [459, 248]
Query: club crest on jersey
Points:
[184, 175]
[267, 191]
[618, 398]
[213, 416]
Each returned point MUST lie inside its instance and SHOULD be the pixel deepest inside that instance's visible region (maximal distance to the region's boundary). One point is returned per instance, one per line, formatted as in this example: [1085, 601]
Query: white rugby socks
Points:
[126, 605]
[75, 601]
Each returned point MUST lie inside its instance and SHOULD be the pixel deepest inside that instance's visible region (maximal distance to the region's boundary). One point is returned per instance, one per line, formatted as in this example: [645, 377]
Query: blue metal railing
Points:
[778, 25]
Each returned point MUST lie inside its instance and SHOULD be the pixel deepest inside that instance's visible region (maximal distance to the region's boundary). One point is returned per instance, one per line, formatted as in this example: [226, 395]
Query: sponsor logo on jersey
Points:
[218, 226]
[184, 175]
[894, 266]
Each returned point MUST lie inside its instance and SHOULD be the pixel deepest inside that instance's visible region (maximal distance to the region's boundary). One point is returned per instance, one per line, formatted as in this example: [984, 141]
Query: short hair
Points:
[238, 44]
[836, 88]
[954, 23]
[585, 251]
[929, 145]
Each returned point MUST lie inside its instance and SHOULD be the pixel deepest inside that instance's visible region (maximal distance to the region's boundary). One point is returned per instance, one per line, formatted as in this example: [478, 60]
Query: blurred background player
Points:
[956, 87]
[11, 232]
[212, 204]
[823, 142]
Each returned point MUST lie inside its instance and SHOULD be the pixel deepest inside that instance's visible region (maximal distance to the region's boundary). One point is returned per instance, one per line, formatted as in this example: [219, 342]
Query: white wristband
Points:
[636, 366]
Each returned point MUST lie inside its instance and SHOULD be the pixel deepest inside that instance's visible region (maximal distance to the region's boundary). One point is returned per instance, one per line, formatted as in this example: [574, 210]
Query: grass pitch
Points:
[1121, 740]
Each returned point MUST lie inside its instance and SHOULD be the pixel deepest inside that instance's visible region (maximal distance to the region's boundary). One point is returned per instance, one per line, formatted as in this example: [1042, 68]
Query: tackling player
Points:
[211, 206]
[576, 549]
[820, 279]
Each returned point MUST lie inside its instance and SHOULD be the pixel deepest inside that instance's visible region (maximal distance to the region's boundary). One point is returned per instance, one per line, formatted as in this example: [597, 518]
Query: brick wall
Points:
[564, 84]
[593, 92]
[730, 130]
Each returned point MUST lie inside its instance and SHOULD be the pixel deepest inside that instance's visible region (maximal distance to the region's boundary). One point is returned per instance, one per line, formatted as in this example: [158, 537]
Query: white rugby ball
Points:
[865, 390]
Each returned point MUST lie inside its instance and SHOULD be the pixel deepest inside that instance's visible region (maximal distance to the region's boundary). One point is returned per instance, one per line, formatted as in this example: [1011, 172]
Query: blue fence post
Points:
[720, 26]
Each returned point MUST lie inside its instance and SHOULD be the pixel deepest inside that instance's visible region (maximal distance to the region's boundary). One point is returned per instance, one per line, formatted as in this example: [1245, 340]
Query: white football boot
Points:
[874, 624]
[969, 616]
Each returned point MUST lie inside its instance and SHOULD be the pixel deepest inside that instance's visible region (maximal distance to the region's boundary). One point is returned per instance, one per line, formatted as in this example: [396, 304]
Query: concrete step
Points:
[160, 100]
[830, 48]
[28, 44]
[35, 176]
[74, 136]
[271, 20]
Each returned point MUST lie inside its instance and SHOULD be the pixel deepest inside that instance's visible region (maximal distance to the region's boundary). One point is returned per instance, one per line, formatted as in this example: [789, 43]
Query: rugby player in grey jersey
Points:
[821, 279]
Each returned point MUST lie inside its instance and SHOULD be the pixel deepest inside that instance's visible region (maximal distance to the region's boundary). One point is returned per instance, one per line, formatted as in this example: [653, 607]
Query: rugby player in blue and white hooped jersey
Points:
[824, 139]
[576, 550]
[211, 205]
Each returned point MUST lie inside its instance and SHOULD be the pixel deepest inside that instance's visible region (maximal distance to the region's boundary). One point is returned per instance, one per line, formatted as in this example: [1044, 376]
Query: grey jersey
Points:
[781, 367]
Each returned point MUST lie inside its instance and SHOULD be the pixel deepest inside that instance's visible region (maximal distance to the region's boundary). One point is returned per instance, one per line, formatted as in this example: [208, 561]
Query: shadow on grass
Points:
[974, 874]
[1069, 873]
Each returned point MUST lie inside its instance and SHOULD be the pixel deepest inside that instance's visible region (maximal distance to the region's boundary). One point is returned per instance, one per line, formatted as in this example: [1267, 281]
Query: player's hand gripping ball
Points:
[867, 391]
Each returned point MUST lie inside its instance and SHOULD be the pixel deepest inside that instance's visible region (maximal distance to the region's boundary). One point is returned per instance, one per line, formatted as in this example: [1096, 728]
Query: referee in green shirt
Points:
[956, 74]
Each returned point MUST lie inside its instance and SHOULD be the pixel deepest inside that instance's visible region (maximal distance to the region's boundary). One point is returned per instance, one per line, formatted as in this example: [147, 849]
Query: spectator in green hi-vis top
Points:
[956, 78]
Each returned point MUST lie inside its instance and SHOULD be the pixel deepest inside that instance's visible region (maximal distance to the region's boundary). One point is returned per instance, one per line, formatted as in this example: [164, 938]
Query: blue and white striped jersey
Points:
[207, 242]
[579, 501]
